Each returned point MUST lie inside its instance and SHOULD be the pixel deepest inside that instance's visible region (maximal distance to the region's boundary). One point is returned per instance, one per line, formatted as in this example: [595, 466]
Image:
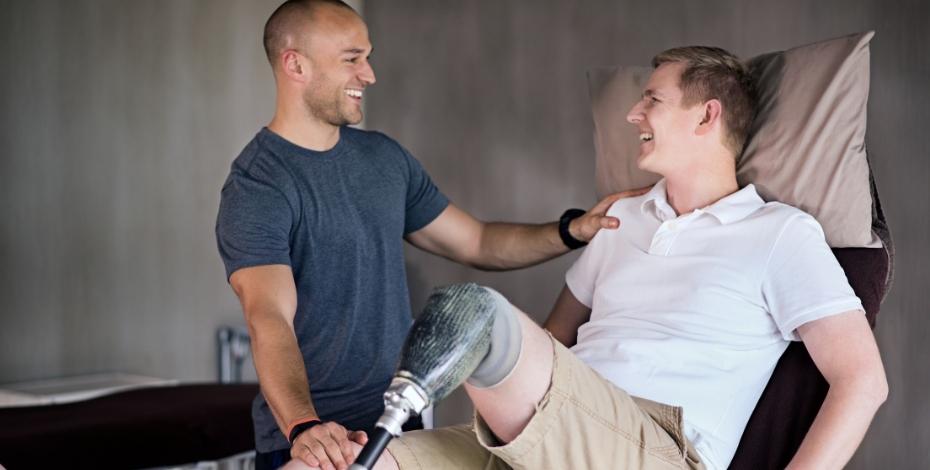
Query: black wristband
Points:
[566, 236]
[296, 430]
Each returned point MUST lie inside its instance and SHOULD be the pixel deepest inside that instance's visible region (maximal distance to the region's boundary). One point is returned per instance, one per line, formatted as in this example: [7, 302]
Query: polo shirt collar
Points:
[656, 202]
[732, 208]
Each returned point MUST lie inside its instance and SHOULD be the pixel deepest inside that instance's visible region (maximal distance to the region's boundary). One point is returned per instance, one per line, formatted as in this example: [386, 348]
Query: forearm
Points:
[840, 425]
[280, 369]
[499, 246]
[566, 317]
[510, 246]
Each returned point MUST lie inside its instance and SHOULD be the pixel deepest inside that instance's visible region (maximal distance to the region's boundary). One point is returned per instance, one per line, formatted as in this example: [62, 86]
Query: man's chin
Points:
[353, 118]
[345, 120]
[642, 161]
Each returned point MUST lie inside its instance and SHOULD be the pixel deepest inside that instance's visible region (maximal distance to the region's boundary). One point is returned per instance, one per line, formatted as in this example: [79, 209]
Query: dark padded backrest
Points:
[796, 390]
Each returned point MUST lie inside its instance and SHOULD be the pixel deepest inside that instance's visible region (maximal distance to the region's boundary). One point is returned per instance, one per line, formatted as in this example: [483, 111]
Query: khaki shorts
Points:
[583, 421]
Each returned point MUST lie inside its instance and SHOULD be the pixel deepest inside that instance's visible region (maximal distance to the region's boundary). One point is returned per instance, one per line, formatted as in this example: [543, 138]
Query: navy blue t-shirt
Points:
[337, 218]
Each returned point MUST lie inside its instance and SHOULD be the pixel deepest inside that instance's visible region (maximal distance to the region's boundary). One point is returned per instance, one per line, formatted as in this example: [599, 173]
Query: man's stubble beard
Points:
[327, 107]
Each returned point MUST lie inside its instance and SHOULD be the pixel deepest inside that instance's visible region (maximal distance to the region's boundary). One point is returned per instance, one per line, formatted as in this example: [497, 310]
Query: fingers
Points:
[585, 227]
[325, 445]
[605, 203]
[302, 453]
[322, 453]
[359, 437]
[609, 222]
[636, 192]
[345, 449]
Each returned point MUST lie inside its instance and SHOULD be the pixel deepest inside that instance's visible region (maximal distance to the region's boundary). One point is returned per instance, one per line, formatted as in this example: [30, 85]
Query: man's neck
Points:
[699, 188]
[303, 130]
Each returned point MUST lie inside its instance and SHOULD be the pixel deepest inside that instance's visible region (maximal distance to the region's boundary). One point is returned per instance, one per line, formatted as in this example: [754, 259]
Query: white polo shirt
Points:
[695, 310]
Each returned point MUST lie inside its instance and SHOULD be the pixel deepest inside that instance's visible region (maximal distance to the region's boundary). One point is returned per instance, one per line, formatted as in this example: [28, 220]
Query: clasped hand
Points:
[327, 446]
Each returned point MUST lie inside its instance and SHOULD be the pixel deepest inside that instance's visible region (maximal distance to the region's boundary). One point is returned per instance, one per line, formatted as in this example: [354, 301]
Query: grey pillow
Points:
[807, 143]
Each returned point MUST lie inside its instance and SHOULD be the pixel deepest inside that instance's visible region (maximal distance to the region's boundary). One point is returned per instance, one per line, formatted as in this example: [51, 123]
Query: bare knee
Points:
[508, 407]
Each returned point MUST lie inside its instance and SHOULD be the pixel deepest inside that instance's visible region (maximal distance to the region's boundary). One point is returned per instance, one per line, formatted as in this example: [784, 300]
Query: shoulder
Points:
[627, 207]
[793, 238]
[632, 221]
[253, 151]
[258, 160]
[789, 222]
[259, 170]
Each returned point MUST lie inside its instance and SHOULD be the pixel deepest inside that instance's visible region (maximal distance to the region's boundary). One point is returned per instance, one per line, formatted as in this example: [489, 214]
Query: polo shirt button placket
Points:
[660, 240]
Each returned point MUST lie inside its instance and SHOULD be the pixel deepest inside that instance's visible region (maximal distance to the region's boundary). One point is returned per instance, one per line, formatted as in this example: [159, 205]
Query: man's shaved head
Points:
[290, 20]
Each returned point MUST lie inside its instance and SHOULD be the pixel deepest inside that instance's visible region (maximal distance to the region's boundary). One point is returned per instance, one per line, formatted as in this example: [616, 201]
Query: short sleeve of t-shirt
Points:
[803, 281]
[253, 224]
[424, 201]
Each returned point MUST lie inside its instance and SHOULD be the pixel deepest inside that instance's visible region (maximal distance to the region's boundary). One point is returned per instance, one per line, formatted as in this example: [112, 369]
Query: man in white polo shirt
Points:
[676, 320]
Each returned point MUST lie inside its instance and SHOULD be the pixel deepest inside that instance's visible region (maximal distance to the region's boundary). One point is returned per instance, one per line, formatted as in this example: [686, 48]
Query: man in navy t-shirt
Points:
[311, 227]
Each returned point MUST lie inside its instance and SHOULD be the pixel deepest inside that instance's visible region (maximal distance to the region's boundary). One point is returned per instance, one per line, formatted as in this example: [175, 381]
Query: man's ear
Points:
[710, 117]
[294, 65]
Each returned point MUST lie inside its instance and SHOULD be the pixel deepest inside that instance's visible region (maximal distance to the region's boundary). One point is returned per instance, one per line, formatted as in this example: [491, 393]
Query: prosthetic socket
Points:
[465, 332]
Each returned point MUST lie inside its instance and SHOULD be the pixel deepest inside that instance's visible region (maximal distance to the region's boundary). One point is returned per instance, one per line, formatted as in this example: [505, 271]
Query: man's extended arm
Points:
[843, 348]
[269, 300]
[458, 236]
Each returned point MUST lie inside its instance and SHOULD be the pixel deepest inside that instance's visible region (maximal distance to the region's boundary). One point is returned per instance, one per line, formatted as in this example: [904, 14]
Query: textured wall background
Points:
[492, 97]
[118, 121]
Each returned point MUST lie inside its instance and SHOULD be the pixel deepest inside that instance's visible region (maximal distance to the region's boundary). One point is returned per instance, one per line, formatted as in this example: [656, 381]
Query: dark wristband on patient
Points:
[566, 236]
[297, 429]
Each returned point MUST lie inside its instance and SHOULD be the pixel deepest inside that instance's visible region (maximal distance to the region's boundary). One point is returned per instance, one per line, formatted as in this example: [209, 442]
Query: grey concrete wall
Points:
[117, 126]
[118, 123]
[491, 96]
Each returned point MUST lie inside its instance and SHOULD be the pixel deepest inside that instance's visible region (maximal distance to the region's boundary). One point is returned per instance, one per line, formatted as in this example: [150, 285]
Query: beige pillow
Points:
[807, 144]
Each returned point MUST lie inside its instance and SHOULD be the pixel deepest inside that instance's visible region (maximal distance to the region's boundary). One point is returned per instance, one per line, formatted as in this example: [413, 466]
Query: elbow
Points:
[253, 321]
[485, 258]
[471, 257]
[875, 396]
[474, 259]
[869, 390]
[878, 387]
[881, 391]
[480, 255]
[873, 389]
[253, 324]
[493, 249]
[262, 318]
[486, 266]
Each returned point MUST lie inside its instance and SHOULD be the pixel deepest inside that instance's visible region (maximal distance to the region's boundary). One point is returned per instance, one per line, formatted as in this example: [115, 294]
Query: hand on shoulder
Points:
[585, 227]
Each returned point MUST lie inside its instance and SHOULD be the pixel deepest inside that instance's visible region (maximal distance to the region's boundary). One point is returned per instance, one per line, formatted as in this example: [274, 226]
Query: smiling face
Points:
[666, 128]
[337, 51]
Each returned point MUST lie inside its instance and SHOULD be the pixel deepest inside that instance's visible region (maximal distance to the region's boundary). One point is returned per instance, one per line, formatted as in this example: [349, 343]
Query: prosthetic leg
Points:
[465, 332]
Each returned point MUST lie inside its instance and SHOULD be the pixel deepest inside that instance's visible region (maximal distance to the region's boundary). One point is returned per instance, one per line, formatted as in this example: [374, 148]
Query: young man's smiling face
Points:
[666, 128]
[338, 52]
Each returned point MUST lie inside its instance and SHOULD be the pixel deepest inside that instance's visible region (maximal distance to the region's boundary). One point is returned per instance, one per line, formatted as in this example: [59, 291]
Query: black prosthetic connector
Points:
[377, 442]
[444, 346]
